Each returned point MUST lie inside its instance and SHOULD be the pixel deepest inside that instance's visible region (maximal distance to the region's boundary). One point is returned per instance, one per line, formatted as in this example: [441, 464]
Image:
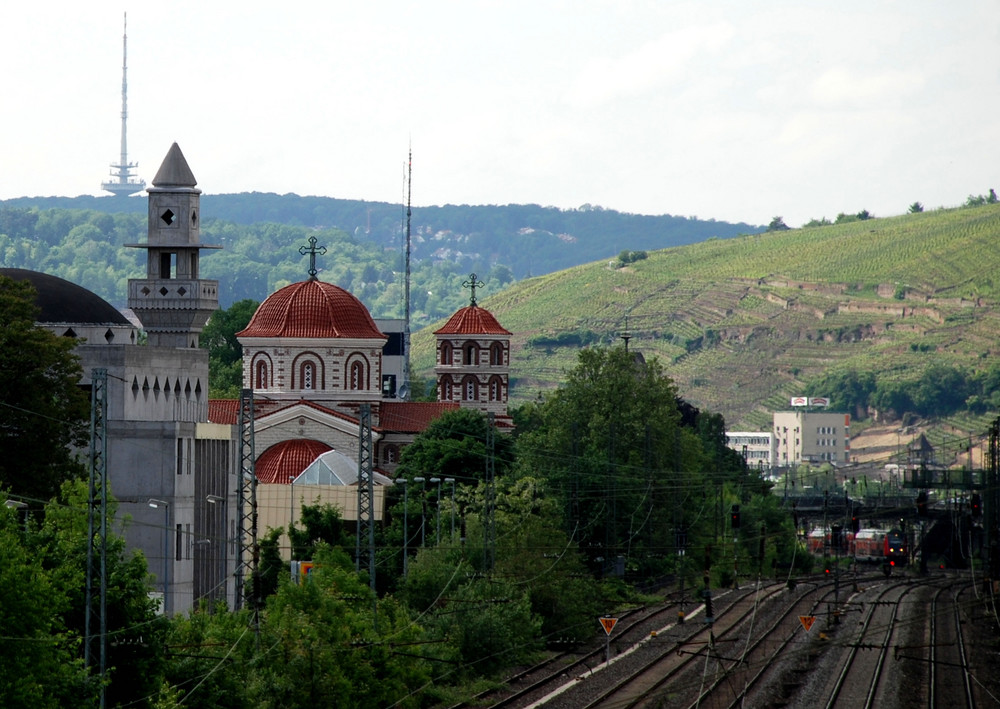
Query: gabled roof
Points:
[472, 320]
[411, 416]
[227, 411]
[312, 309]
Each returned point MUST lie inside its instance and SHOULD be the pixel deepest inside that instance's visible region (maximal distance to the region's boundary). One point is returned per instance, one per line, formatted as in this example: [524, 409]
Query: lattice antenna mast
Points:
[126, 183]
[406, 284]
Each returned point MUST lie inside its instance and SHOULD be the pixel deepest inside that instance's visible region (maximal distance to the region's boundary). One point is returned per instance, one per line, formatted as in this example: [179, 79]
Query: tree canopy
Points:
[44, 413]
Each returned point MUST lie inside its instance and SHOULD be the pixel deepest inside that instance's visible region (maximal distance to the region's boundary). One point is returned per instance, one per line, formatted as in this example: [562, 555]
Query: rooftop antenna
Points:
[126, 183]
[626, 335]
[404, 389]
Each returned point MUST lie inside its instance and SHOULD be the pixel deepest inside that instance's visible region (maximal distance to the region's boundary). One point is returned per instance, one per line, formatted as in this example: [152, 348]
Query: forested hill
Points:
[529, 239]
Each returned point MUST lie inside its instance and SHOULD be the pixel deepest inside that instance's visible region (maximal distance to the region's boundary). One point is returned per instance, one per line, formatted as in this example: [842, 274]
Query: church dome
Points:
[312, 309]
[472, 320]
[284, 461]
[60, 301]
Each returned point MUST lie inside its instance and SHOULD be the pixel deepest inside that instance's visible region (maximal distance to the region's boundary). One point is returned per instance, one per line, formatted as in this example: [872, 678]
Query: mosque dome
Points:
[312, 309]
[62, 302]
[472, 320]
[284, 461]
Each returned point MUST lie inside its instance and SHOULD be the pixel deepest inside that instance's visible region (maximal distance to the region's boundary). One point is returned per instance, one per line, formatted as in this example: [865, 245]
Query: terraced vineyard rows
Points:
[739, 321]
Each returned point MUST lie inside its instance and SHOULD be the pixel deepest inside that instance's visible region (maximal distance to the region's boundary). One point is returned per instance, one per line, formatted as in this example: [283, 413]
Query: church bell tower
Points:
[172, 302]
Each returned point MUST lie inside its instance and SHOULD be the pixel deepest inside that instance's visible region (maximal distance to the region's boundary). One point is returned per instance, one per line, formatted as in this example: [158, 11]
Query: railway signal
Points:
[734, 516]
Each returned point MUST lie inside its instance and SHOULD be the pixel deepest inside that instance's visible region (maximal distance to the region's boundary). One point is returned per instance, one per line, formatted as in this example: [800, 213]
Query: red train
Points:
[873, 545]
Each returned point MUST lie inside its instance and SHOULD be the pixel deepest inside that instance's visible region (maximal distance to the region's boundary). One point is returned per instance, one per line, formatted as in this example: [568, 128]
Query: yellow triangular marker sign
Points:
[608, 623]
[807, 621]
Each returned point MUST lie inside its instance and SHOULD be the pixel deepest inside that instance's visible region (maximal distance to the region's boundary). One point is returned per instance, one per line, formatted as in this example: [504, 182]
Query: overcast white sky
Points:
[739, 110]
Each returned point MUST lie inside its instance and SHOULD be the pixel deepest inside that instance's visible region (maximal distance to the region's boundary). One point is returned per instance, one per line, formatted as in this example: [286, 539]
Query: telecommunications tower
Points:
[124, 183]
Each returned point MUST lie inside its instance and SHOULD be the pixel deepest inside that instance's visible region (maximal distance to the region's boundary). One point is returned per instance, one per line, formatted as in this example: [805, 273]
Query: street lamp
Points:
[423, 510]
[223, 576]
[406, 530]
[438, 481]
[165, 506]
[18, 505]
[452, 481]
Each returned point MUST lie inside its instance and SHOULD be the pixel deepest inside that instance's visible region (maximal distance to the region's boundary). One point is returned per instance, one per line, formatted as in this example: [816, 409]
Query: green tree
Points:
[611, 447]
[454, 446]
[777, 224]
[42, 610]
[915, 208]
[43, 411]
[225, 353]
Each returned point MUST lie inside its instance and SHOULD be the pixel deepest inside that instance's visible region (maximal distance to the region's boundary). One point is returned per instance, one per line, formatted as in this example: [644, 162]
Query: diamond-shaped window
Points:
[145, 290]
[167, 217]
[182, 291]
[163, 290]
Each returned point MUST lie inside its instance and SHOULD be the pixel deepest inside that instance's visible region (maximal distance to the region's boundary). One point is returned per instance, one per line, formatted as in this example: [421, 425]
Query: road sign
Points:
[807, 621]
[608, 623]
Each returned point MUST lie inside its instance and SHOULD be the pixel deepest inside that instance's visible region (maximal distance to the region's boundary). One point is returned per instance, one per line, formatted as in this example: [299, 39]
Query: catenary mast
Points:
[125, 183]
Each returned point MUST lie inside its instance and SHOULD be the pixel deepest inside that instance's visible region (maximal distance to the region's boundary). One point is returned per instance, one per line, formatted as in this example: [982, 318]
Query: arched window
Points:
[446, 352]
[496, 354]
[308, 375]
[470, 389]
[260, 375]
[471, 354]
[356, 381]
[446, 392]
[496, 389]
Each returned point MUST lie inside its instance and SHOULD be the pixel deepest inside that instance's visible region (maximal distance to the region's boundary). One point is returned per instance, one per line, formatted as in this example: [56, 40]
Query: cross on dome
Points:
[473, 284]
[312, 250]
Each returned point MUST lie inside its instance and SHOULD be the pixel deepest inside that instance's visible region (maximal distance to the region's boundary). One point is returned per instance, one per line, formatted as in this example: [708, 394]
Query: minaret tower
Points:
[126, 183]
[172, 302]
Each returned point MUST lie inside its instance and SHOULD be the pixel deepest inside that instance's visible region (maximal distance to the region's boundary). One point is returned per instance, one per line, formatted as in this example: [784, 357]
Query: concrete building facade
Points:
[811, 437]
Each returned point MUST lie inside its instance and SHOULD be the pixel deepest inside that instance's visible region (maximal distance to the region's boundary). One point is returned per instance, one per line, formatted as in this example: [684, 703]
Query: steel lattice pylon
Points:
[98, 507]
[366, 493]
[489, 506]
[246, 563]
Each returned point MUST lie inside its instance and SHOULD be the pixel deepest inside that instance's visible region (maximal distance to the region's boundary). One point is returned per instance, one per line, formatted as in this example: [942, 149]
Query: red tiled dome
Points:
[472, 320]
[311, 309]
[283, 461]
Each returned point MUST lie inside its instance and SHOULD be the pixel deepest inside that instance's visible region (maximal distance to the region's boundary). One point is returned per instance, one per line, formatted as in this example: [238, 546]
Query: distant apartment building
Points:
[756, 447]
[811, 437]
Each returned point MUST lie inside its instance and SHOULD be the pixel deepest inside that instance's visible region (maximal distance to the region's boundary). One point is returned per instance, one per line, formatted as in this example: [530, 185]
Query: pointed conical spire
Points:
[174, 171]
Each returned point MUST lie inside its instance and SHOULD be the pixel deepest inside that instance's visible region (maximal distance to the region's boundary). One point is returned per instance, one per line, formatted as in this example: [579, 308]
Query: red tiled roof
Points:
[227, 411]
[411, 416]
[472, 320]
[312, 309]
[282, 462]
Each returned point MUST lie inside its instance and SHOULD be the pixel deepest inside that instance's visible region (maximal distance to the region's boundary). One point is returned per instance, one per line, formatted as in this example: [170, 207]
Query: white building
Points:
[756, 447]
[811, 437]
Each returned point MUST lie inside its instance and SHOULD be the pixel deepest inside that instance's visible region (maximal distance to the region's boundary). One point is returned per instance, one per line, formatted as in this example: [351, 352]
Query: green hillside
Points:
[745, 323]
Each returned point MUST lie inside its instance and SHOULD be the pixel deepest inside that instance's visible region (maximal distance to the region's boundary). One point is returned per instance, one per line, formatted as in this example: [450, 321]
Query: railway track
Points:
[885, 642]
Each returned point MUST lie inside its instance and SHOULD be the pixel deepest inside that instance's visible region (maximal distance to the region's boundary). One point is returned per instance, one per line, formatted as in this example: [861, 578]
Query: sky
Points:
[737, 110]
